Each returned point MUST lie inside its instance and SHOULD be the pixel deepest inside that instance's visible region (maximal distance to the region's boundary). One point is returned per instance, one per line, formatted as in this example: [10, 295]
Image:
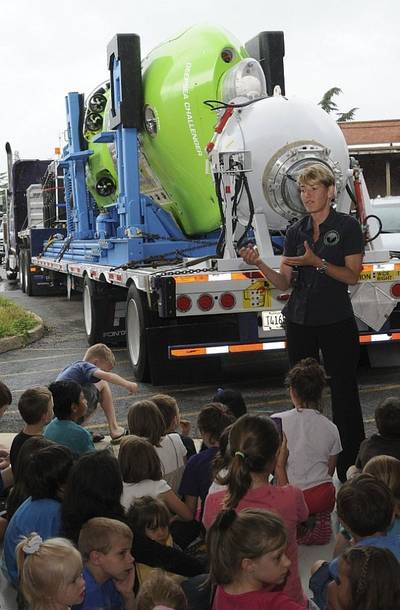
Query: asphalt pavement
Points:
[260, 378]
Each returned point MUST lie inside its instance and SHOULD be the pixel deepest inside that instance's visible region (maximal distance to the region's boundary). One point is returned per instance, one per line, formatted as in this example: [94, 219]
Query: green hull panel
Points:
[178, 76]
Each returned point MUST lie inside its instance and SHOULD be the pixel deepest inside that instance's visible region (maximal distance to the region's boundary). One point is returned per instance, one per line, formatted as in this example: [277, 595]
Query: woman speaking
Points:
[326, 248]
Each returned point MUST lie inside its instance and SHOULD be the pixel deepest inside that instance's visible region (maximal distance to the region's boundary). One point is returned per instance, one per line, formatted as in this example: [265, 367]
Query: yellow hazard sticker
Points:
[258, 294]
[380, 276]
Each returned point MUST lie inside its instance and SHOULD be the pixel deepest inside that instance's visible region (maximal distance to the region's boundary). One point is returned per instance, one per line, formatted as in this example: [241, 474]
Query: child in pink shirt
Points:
[248, 561]
[256, 452]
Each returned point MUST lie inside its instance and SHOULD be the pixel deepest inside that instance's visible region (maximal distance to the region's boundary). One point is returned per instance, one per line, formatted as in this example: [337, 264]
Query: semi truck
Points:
[170, 166]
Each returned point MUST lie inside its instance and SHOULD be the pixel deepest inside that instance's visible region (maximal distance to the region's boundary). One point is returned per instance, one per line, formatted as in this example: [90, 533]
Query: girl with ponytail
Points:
[255, 453]
[314, 445]
[248, 561]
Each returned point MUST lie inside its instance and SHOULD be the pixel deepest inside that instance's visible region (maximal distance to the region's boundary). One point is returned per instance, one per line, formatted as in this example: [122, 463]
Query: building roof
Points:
[373, 135]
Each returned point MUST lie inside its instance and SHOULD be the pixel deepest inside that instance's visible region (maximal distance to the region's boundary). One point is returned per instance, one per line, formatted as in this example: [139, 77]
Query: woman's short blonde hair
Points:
[316, 173]
[48, 570]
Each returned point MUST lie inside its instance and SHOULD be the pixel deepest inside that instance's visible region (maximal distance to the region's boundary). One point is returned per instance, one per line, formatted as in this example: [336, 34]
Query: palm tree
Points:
[329, 105]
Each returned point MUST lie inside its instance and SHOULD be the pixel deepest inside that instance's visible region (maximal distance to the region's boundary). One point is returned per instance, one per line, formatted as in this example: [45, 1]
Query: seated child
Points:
[50, 573]
[386, 468]
[313, 442]
[36, 409]
[368, 579]
[197, 476]
[387, 441]
[153, 546]
[70, 408]
[6, 478]
[94, 375]
[141, 474]
[109, 573]
[19, 491]
[145, 420]
[221, 462]
[233, 400]
[248, 561]
[172, 418]
[41, 512]
[365, 509]
[93, 489]
[162, 592]
[255, 450]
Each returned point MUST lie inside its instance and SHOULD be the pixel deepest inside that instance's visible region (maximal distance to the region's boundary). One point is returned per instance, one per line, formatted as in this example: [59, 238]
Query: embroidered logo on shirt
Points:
[331, 238]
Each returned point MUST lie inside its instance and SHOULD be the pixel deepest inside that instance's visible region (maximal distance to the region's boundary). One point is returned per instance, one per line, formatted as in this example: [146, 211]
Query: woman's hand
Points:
[308, 259]
[250, 254]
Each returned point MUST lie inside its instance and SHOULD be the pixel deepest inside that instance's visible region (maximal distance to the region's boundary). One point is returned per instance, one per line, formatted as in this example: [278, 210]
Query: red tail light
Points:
[205, 302]
[227, 300]
[395, 290]
[183, 303]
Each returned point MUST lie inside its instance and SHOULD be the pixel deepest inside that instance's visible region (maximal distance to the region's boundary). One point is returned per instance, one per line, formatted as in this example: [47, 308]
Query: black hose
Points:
[221, 239]
[251, 213]
[218, 104]
[379, 231]
[351, 195]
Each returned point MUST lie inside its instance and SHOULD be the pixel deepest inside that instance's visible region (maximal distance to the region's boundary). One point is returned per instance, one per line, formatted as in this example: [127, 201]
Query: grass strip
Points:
[14, 320]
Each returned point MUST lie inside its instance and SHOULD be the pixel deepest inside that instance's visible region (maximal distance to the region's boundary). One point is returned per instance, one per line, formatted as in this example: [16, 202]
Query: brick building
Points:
[376, 145]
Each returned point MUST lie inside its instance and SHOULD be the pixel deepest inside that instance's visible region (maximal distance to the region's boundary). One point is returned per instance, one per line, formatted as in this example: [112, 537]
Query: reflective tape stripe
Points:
[218, 277]
[187, 352]
[115, 276]
[379, 338]
[382, 267]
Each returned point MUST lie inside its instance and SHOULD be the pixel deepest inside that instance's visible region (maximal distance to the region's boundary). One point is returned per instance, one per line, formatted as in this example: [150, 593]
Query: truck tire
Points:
[94, 312]
[22, 270]
[137, 316]
[11, 275]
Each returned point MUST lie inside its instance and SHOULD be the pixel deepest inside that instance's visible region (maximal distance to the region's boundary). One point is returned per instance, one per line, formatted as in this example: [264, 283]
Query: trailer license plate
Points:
[272, 320]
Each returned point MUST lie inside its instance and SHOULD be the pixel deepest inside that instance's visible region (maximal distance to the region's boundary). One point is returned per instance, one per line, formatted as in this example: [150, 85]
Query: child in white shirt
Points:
[314, 443]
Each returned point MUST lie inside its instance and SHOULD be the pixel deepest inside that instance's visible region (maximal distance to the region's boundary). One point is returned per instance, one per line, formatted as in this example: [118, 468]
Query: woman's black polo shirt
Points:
[316, 298]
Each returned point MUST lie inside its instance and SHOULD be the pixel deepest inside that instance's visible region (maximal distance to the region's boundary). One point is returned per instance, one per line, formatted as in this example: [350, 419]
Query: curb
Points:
[17, 341]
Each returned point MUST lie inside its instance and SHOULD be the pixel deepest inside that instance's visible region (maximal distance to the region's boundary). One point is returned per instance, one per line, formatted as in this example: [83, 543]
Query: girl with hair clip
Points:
[314, 444]
[50, 573]
[141, 474]
[256, 452]
[248, 561]
[368, 579]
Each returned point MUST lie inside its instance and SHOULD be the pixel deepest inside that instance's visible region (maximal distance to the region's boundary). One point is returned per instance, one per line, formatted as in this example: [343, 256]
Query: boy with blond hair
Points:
[109, 573]
[94, 374]
[36, 409]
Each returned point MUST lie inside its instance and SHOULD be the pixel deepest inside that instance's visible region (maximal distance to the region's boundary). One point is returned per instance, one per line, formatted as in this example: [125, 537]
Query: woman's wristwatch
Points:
[323, 267]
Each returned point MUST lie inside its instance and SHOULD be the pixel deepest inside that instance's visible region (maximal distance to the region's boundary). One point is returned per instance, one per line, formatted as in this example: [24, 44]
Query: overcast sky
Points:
[50, 48]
